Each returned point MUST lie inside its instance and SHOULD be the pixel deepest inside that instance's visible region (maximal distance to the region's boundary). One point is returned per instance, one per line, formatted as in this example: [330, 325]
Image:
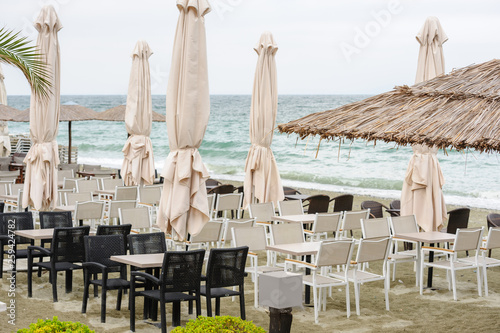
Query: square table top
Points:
[299, 218]
[427, 237]
[36, 233]
[140, 260]
[296, 249]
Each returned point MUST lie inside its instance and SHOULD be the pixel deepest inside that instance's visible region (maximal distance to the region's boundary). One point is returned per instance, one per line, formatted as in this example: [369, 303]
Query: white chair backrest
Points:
[290, 207]
[67, 173]
[114, 205]
[91, 167]
[139, 217]
[335, 253]
[14, 173]
[87, 185]
[149, 194]
[110, 184]
[62, 196]
[73, 198]
[4, 187]
[374, 228]
[230, 201]
[125, 193]
[211, 232]
[373, 249]
[263, 212]
[211, 204]
[89, 210]
[493, 241]
[468, 239]
[286, 233]
[229, 224]
[352, 219]
[70, 183]
[14, 188]
[254, 238]
[403, 224]
[326, 222]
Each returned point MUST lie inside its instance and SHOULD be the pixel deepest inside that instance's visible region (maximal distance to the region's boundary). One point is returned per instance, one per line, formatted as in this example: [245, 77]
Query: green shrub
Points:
[224, 324]
[56, 326]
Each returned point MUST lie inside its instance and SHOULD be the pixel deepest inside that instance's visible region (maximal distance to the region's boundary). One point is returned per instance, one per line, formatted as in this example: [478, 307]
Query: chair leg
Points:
[132, 308]
[85, 295]
[119, 299]
[209, 306]
[53, 276]
[30, 277]
[387, 285]
[356, 295]
[176, 314]
[163, 317]
[421, 278]
[479, 281]
[198, 305]
[103, 304]
[454, 284]
[315, 303]
[485, 279]
[347, 300]
[242, 302]
[217, 306]
[69, 280]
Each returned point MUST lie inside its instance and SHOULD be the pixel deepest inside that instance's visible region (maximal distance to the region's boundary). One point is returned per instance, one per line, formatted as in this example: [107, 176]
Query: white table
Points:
[300, 218]
[430, 237]
[153, 260]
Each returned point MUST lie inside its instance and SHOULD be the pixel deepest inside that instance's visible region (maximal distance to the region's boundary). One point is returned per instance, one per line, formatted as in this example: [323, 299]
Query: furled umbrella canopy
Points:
[184, 204]
[138, 163]
[117, 113]
[40, 185]
[422, 193]
[262, 178]
[4, 128]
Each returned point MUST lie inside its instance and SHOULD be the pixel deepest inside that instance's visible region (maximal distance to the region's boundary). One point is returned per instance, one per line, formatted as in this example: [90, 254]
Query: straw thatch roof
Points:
[459, 110]
[7, 113]
[69, 112]
[118, 114]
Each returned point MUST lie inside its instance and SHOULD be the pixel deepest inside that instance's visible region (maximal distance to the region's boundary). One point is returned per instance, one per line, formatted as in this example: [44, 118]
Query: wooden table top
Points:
[296, 249]
[427, 237]
[36, 233]
[300, 218]
[140, 260]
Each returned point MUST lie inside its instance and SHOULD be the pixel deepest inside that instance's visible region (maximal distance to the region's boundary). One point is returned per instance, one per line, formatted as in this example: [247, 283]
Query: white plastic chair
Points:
[290, 207]
[228, 202]
[138, 217]
[111, 214]
[324, 224]
[227, 237]
[72, 198]
[125, 193]
[352, 221]
[92, 211]
[466, 240]
[335, 253]
[400, 225]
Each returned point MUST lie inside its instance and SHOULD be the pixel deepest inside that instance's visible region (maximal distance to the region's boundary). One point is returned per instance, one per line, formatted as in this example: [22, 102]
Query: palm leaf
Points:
[16, 51]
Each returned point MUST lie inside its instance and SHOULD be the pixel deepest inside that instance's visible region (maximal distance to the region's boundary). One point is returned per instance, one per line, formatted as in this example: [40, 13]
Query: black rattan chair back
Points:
[16, 221]
[222, 189]
[376, 208]
[181, 271]
[122, 229]
[395, 204]
[290, 190]
[100, 248]
[318, 203]
[59, 219]
[343, 203]
[147, 243]
[493, 220]
[212, 182]
[226, 267]
[67, 244]
[457, 218]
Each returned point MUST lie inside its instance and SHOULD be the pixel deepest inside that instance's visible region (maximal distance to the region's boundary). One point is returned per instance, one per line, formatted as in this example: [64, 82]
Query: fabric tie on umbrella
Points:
[262, 178]
[40, 185]
[422, 193]
[4, 129]
[138, 162]
[184, 205]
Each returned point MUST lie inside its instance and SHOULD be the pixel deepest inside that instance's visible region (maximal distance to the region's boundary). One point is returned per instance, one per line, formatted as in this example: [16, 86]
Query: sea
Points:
[358, 167]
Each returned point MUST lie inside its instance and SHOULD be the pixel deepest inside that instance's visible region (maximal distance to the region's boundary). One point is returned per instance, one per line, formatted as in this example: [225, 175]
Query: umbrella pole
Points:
[69, 146]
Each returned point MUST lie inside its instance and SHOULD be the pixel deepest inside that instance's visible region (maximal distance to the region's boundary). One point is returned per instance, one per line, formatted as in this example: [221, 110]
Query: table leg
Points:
[307, 300]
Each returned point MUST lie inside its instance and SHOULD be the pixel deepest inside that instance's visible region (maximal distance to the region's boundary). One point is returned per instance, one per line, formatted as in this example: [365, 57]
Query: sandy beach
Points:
[409, 312]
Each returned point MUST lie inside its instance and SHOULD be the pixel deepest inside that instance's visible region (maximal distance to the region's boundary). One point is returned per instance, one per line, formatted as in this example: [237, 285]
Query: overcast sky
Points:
[325, 46]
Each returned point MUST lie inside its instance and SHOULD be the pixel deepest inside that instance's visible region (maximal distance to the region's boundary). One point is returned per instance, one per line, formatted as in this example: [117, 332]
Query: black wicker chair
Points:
[317, 203]
[225, 268]
[57, 219]
[9, 222]
[122, 229]
[376, 208]
[66, 249]
[457, 218]
[179, 281]
[98, 250]
[290, 191]
[342, 203]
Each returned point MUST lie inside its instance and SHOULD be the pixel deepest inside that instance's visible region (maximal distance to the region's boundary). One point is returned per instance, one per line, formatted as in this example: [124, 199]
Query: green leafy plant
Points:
[56, 326]
[224, 324]
[16, 51]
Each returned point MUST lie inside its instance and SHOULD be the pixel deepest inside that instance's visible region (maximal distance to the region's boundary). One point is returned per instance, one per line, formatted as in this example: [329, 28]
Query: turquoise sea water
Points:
[358, 168]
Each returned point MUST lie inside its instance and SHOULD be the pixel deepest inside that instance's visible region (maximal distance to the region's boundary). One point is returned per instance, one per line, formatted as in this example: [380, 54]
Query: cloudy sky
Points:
[325, 46]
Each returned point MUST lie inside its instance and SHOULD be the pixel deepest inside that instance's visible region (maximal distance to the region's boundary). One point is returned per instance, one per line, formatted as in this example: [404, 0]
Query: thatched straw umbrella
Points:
[69, 113]
[460, 110]
[118, 114]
